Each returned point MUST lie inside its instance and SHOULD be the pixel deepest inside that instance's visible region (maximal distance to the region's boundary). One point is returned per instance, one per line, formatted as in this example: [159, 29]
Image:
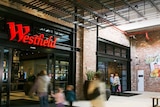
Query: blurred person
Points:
[41, 87]
[59, 98]
[117, 83]
[112, 83]
[70, 95]
[97, 91]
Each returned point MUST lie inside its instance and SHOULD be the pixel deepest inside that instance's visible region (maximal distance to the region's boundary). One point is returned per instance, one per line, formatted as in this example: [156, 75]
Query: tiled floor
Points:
[21, 95]
[142, 100]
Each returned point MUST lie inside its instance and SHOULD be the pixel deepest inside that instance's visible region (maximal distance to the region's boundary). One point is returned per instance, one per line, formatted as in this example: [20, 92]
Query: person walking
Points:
[117, 83]
[70, 95]
[112, 83]
[97, 91]
[59, 98]
[41, 87]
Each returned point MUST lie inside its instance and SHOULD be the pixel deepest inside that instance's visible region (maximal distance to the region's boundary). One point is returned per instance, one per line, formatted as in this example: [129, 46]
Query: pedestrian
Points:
[41, 87]
[112, 83]
[117, 83]
[59, 98]
[97, 91]
[70, 95]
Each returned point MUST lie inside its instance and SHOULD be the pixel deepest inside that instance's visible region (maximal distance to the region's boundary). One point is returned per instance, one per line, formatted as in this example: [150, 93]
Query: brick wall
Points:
[86, 58]
[114, 35]
[141, 50]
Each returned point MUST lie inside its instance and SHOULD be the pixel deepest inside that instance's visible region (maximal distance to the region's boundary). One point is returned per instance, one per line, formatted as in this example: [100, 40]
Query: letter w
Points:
[18, 29]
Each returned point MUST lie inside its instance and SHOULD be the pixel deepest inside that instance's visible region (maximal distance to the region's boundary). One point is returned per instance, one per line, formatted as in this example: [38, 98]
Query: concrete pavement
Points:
[142, 100]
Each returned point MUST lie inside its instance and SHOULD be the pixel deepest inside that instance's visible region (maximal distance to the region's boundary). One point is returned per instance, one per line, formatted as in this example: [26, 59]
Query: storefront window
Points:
[124, 53]
[102, 67]
[62, 37]
[61, 73]
[101, 47]
[124, 76]
[112, 60]
[117, 51]
[109, 49]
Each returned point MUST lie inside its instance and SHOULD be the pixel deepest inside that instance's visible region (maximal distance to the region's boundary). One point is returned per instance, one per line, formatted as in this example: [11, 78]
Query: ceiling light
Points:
[80, 24]
[32, 47]
[75, 22]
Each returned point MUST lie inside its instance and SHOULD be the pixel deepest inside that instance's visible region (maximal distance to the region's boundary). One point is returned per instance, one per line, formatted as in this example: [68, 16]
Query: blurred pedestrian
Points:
[112, 83]
[41, 87]
[97, 91]
[70, 95]
[59, 98]
[117, 83]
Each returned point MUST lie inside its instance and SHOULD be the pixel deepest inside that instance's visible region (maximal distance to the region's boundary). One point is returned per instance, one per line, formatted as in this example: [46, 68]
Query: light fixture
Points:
[32, 47]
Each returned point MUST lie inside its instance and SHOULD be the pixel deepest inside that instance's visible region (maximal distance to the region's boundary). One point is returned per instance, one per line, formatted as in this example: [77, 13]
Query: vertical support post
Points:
[97, 34]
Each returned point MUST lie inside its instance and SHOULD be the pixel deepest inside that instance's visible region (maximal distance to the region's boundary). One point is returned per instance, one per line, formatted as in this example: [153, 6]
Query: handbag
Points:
[94, 94]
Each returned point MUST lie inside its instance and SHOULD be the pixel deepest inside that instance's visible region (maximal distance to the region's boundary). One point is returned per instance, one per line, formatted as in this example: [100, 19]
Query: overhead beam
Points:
[72, 13]
[112, 10]
[90, 11]
[147, 24]
[152, 2]
[48, 12]
[127, 3]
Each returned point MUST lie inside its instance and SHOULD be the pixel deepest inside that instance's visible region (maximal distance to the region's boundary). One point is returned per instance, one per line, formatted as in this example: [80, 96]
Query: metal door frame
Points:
[5, 93]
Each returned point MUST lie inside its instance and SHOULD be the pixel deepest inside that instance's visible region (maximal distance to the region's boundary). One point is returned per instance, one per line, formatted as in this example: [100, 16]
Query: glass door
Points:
[5, 73]
[59, 71]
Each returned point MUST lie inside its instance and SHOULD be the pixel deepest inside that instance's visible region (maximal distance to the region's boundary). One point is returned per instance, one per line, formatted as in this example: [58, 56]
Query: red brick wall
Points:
[141, 50]
[86, 58]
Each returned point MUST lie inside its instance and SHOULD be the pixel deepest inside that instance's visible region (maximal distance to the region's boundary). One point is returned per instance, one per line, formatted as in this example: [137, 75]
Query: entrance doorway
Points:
[23, 66]
[109, 66]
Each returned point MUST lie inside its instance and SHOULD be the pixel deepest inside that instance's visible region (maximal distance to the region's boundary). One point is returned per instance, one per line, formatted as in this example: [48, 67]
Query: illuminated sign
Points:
[20, 31]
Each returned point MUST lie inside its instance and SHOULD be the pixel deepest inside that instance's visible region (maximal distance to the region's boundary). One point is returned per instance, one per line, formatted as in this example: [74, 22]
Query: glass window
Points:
[61, 73]
[101, 47]
[124, 76]
[117, 51]
[124, 53]
[109, 49]
[102, 68]
[62, 37]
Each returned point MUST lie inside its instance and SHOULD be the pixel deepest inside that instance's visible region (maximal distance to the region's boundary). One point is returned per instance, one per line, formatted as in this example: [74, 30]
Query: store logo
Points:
[20, 31]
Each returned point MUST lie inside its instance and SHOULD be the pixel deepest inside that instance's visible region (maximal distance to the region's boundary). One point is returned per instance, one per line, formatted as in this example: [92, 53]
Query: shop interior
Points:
[25, 67]
[112, 66]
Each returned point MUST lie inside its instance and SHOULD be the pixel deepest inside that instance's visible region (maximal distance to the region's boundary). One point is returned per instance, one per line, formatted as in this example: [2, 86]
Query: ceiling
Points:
[92, 13]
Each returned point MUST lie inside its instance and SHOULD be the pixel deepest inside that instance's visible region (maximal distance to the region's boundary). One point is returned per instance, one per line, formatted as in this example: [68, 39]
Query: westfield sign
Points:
[21, 32]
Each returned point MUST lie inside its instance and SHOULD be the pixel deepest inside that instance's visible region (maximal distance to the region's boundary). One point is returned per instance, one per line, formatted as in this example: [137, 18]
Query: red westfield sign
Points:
[20, 31]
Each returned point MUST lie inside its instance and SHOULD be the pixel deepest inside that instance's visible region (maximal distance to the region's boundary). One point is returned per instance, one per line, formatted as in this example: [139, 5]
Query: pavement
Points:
[144, 99]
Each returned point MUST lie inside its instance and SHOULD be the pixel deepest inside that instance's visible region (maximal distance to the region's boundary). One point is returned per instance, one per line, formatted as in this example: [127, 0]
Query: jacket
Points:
[70, 95]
